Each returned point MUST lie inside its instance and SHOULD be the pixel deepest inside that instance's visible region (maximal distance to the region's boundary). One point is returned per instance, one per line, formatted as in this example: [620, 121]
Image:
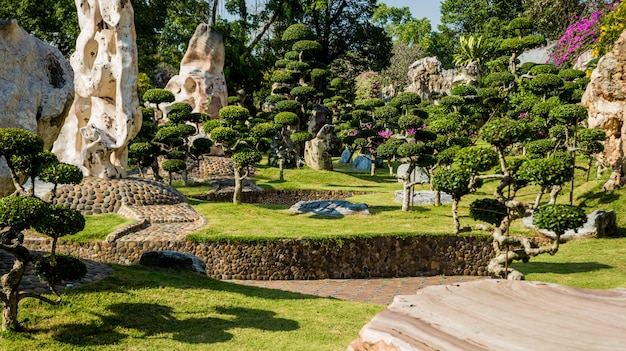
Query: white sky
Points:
[420, 8]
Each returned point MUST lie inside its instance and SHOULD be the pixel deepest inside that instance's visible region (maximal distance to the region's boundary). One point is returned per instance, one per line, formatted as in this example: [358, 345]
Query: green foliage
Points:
[211, 124]
[318, 73]
[451, 100]
[498, 79]
[302, 91]
[546, 172]
[487, 210]
[14, 141]
[388, 149]
[275, 98]
[61, 173]
[540, 69]
[67, 268]
[463, 90]
[471, 48]
[60, 221]
[301, 137]
[520, 23]
[542, 109]
[410, 121]
[570, 74]
[568, 114]
[157, 96]
[263, 130]
[297, 66]
[233, 114]
[309, 46]
[545, 82]
[559, 218]
[405, 99]
[169, 135]
[298, 31]
[223, 135]
[518, 45]
[201, 146]
[288, 105]
[186, 130]
[286, 119]
[503, 132]
[174, 165]
[453, 181]
[539, 148]
[612, 26]
[386, 113]
[476, 159]
[246, 157]
[21, 212]
[411, 150]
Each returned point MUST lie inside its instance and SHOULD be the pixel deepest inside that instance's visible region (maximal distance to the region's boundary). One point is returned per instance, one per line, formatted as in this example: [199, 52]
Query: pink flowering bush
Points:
[385, 134]
[581, 34]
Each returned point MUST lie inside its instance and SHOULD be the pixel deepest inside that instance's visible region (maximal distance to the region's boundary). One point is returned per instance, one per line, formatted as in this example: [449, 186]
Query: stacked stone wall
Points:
[364, 257]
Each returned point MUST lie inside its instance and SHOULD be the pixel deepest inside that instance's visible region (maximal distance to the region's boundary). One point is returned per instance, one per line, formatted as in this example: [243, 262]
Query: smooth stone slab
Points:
[424, 197]
[333, 208]
[418, 175]
[499, 315]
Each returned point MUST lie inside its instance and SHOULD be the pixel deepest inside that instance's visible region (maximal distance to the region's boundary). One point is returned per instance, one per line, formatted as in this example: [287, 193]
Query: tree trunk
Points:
[437, 198]
[238, 186]
[455, 215]
[10, 283]
[185, 176]
[554, 193]
[373, 167]
[407, 195]
[281, 169]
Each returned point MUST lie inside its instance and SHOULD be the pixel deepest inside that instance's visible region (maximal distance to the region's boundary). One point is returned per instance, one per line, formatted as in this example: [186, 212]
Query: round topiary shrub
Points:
[451, 100]
[307, 46]
[61, 173]
[569, 114]
[498, 79]
[488, 210]
[234, 114]
[263, 130]
[246, 157]
[281, 77]
[301, 136]
[298, 31]
[570, 74]
[286, 119]
[288, 105]
[540, 69]
[174, 165]
[463, 90]
[157, 96]
[503, 132]
[297, 66]
[453, 181]
[223, 134]
[67, 268]
[274, 98]
[476, 159]
[545, 81]
[559, 218]
[21, 212]
[303, 91]
[539, 148]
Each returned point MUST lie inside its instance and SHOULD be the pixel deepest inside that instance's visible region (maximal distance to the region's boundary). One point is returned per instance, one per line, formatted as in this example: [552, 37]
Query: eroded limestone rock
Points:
[430, 81]
[201, 81]
[605, 98]
[105, 115]
[36, 88]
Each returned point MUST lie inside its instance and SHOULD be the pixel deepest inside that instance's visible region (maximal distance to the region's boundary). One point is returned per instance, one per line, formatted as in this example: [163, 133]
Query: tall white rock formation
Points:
[201, 81]
[105, 115]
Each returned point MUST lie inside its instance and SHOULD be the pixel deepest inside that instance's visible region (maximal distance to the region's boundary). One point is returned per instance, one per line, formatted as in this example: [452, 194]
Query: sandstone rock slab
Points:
[499, 315]
[430, 81]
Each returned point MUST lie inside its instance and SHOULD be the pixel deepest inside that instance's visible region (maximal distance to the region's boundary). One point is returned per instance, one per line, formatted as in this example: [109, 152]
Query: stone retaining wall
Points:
[279, 197]
[308, 259]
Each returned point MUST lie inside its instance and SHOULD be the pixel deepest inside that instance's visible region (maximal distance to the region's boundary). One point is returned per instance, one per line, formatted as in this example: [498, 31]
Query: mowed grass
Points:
[153, 309]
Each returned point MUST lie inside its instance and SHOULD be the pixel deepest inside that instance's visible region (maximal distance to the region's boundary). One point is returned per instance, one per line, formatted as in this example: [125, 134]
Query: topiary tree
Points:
[157, 99]
[23, 210]
[455, 182]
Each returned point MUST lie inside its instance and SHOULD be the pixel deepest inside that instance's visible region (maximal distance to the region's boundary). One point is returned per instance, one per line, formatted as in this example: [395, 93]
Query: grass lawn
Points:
[145, 309]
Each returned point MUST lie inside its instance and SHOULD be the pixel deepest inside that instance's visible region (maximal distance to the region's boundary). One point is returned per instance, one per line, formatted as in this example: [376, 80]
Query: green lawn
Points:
[144, 309]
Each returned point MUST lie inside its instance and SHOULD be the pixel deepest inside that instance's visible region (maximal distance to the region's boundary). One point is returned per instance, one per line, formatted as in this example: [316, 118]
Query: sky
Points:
[419, 8]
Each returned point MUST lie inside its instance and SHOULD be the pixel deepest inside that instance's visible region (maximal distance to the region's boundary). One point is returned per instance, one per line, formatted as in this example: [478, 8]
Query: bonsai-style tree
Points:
[244, 149]
[142, 152]
[157, 99]
[23, 210]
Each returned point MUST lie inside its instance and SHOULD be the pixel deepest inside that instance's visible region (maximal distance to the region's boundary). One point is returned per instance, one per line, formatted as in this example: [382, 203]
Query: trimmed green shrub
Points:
[286, 119]
[302, 91]
[298, 31]
[463, 90]
[301, 136]
[223, 134]
[453, 181]
[488, 210]
[559, 218]
[476, 159]
[540, 69]
[307, 46]
[288, 105]
[498, 79]
[67, 268]
[157, 96]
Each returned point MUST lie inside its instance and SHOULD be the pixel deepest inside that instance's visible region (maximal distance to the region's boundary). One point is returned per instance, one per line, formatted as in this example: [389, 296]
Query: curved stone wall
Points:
[338, 258]
[280, 197]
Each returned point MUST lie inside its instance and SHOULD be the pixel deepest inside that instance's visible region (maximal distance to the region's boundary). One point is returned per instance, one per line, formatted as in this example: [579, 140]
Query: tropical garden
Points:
[513, 144]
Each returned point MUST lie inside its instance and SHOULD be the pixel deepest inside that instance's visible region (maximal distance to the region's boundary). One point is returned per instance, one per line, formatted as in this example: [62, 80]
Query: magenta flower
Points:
[385, 134]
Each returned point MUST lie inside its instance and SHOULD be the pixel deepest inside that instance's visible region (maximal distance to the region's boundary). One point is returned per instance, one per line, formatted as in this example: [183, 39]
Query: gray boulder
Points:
[332, 208]
[346, 156]
[424, 197]
[362, 163]
[600, 224]
[173, 259]
[418, 175]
